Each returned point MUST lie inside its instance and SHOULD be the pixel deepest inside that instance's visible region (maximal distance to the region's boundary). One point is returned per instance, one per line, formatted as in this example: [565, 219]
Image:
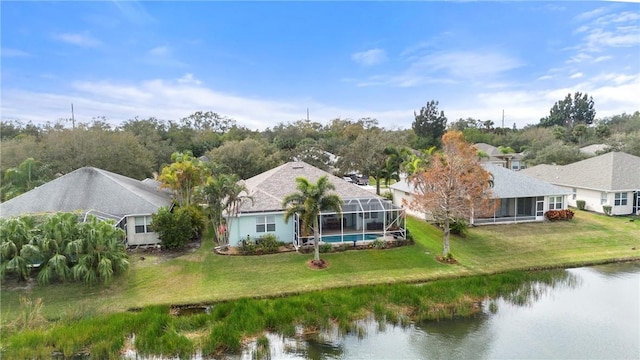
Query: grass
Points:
[203, 277]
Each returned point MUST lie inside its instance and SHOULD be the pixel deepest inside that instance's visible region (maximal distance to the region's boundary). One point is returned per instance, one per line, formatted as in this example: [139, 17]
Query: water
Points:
[591, 313]
[349, 237]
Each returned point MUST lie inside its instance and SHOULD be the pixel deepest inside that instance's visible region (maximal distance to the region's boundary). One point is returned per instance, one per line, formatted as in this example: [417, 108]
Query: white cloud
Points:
[7, 52]
[160, 51]
[576, 75]
[370, 57]
[467, 65]
[590, 14]
[545, 77]
[189, 79]
[78, 39]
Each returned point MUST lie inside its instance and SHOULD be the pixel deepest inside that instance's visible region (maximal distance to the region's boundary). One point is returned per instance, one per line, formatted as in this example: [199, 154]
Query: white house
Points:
[106, 195]
[611, 179]
[364, 216]
[521, 198]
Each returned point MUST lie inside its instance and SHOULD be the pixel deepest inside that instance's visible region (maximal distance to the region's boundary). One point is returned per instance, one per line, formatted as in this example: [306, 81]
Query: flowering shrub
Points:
[553, 215]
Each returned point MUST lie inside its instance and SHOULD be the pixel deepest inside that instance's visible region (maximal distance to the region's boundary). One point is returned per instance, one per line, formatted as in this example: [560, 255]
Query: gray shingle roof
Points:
[507, 184]
[89, 189]
[270, 188]
[613, 171]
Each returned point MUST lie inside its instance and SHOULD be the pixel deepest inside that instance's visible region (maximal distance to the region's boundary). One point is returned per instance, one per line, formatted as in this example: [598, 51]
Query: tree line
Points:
[140, 148]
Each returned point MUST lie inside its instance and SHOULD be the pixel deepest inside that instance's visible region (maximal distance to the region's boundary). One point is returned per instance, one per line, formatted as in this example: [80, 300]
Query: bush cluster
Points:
[581, 204]
[266, 244]
[553, 215]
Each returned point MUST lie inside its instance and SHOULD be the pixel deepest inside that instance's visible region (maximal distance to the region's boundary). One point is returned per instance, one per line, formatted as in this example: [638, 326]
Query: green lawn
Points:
[204, 277]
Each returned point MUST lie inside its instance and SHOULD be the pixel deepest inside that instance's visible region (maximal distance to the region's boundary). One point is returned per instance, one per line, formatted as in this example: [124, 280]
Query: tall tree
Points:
[29, 174]
[571, 111]
[245, 158]
[182, 176]
[453, 185]
[308, 202]
[429, 125]
[224, 194]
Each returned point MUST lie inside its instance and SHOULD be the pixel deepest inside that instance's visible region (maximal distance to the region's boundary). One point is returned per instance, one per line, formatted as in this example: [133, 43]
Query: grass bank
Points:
[160, 331]
[203, 277]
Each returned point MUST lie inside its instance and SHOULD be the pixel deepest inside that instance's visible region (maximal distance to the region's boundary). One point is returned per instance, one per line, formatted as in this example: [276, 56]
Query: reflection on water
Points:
[586, 313]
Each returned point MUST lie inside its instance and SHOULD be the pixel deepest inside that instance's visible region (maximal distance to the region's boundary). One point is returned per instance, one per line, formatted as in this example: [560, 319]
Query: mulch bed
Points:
[318, 264]
[444, 260]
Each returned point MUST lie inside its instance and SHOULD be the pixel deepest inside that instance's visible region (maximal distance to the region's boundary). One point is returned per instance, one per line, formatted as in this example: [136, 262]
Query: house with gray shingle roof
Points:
[611, 179]
[364, 216]
[106, 195]
[519, 198]
[513, 161]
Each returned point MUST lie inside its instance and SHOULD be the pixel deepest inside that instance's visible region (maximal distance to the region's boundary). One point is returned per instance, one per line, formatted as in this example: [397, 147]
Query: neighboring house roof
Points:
[495, 153]
[511, 184]
[506, 184]
[269, 188]
[90, 189]
[613, 171]
[592, 149]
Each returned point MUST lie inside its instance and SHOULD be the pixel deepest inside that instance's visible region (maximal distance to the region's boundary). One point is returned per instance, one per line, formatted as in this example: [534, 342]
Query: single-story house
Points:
[513, 161]
[106, 195]
[364, 215]
[611, 179]
[521, 198]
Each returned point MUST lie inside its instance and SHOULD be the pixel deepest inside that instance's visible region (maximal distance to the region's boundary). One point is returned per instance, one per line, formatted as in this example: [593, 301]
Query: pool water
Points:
[349, 237]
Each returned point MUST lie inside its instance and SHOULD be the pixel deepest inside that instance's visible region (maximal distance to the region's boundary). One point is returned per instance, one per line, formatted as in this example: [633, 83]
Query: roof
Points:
[613, 171]
[90, 189]
[515, 184]
[592, 149]
[506, 184]
[271, 187]
[495, 153]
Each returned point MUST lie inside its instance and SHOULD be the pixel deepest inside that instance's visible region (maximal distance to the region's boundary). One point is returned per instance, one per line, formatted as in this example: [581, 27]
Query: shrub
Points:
[196, 218]
[378, 244]
[553, 215]
[606, 209]
[174, 229]
[581, 204]
[388, 195]
[325, 248]
[247, 247]
[268, 244]
[458, 227]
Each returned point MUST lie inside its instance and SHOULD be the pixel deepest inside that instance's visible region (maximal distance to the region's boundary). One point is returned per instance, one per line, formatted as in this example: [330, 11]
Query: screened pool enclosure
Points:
[361, 220]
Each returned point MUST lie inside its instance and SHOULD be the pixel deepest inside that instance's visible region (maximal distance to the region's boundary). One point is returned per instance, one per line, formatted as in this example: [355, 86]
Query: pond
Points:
[589, 313]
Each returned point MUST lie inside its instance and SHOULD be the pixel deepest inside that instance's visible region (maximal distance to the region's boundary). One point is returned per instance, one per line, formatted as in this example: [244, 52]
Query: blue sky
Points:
[263, 63]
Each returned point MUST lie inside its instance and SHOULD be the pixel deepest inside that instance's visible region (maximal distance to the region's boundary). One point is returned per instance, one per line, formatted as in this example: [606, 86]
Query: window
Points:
[143, 224]
[603, 198]
[555, 202]
[573, 195]
[620, 199]
[265, 223]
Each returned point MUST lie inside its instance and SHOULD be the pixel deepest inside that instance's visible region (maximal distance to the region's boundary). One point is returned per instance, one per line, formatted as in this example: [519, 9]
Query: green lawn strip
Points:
[204, 277]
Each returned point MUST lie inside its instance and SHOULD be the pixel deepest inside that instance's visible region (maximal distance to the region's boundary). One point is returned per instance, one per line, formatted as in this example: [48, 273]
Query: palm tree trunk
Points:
[316, 240]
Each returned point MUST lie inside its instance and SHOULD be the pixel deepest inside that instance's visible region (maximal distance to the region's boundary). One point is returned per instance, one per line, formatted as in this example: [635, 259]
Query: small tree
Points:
[183, 176]
[224, 194]
[308, 202]
[453, 186]
[173, 228]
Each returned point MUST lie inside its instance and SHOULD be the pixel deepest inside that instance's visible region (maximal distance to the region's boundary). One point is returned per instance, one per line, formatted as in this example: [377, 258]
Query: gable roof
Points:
[613, 171]
[90, 189]
[592, 149]
[494, 152]
[506, 184]
[271, 187]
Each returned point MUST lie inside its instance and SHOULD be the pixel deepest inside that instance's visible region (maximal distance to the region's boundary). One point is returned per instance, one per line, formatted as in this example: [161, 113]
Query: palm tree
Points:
[224, 194]
[308, 202]
[56, 232]
[17, 251]
[100, 251]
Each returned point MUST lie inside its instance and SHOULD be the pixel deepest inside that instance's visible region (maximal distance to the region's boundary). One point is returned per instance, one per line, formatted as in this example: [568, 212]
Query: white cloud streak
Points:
[78, 39]
[370, 57]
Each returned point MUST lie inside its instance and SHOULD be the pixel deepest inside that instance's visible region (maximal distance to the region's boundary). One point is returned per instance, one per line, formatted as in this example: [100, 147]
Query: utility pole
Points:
[503, 118]
[73, 118]
[307, 114]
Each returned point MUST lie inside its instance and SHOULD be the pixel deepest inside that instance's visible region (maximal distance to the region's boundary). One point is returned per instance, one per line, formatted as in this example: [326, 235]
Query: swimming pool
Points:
[349, 237]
